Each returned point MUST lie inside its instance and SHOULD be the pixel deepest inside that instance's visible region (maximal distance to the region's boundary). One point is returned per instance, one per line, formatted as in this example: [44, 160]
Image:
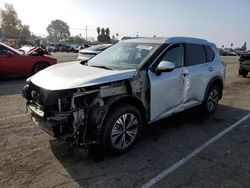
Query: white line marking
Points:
[194, 153]
[10, 117]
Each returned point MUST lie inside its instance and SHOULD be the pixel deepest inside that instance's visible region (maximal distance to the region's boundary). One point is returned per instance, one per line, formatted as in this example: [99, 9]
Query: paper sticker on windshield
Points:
[144, 47]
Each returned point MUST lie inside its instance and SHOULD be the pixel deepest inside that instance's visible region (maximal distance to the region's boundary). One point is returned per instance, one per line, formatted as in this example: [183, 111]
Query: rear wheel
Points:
[244, 74]
[211, 101]
[39, 66]
[121, 129]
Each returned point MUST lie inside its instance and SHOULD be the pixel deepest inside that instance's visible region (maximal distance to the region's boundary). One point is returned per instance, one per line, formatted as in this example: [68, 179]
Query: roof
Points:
[169, 40]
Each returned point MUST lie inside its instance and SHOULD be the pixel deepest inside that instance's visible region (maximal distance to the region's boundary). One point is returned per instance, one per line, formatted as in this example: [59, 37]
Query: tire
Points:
[243, 72]
[122, 128]
[38, 67]
[211, 100]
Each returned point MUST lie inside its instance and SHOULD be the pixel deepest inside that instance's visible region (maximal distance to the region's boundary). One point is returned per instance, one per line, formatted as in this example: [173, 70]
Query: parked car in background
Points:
[82, 46]
[133, 83]
[227, 53]
[16, 63]
[244, 64]
[92, 51]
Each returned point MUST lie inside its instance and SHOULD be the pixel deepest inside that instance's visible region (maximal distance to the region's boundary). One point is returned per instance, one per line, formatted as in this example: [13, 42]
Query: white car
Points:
[87, 53]
[133, 83]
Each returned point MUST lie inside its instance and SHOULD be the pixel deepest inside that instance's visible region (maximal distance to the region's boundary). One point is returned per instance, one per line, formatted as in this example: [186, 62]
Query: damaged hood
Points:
[75, 75]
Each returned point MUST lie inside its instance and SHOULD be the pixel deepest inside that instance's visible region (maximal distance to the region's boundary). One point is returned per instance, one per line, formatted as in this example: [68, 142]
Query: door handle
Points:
[210, 69]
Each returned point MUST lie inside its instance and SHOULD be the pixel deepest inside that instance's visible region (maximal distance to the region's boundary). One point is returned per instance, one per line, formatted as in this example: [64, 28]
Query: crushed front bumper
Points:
[57, 125]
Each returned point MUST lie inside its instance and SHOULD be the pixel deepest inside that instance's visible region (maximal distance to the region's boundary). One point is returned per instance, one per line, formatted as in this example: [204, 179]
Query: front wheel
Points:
[121, 129]
[211, 101]
[38, 67]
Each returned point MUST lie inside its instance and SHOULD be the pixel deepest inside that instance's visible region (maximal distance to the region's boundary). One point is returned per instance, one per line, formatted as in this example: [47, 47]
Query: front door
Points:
[167, 88]
[10, 62]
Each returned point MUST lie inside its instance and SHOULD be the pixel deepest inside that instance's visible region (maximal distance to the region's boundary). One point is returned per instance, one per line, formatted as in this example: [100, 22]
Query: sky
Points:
[220, 21]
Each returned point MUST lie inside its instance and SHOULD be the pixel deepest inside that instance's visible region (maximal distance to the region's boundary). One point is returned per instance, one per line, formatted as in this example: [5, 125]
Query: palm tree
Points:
[102, 31]
[107, 31]
[232, 45]
[98, 30]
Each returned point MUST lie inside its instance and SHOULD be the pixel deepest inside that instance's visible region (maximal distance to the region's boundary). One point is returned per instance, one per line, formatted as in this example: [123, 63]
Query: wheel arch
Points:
[214, 81]
[38, 62]
[116, 102]
[134, 101]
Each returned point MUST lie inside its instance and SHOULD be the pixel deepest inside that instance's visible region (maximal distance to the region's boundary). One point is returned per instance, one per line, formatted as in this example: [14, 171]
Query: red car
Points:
[16, 63]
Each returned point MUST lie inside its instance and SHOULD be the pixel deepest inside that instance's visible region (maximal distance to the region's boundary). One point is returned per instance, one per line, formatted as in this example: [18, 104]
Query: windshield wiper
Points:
[101, 66]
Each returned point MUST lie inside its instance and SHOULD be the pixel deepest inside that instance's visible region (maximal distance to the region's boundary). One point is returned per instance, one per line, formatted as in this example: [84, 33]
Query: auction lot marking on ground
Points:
[193, 154]
[16, 116]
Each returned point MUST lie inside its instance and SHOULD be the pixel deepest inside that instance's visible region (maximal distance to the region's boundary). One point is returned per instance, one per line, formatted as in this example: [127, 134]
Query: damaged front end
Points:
[62, 114]
[77, 115]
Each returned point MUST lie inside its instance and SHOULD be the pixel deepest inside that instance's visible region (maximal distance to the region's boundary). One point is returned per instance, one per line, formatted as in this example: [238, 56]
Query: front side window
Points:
[194, 54]
[124, 55]
[174, 55]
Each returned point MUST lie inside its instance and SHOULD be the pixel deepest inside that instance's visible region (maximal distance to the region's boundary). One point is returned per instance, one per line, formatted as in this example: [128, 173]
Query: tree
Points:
[25, 31]
[11, 25]
[102, 31]
[107, 31]
[244, 47]
[98, 30]
[231, 45]
[104, 36]
[107, 35]
[58, 30]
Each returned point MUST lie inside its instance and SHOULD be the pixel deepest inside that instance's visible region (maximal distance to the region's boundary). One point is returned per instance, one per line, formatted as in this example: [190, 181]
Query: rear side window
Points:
[210, 53]
[195, 54]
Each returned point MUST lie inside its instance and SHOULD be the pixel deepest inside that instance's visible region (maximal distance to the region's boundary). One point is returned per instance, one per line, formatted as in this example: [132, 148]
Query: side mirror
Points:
[165, 66]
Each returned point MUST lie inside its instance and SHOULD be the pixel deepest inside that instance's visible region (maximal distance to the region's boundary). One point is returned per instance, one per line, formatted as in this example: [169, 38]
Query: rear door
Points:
[199, 71]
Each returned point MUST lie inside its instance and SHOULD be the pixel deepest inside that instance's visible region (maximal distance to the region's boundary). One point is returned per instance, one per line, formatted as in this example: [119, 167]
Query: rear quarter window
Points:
[210, 53]
[194, 54]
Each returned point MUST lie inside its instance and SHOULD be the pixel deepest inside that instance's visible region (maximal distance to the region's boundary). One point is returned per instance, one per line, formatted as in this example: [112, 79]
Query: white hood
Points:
[74, 75]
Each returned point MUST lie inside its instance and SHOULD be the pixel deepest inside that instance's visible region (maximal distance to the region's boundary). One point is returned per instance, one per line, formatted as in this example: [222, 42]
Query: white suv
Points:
[107, 100]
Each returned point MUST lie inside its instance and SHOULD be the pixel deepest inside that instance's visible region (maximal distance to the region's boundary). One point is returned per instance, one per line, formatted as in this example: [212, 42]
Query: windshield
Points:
[124, 55]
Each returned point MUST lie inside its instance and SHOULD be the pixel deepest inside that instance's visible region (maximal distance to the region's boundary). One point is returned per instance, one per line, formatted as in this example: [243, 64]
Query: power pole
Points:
[86, 32]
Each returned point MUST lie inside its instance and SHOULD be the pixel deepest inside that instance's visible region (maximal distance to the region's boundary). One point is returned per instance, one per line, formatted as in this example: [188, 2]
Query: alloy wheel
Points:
[124, 131]
[213, 99]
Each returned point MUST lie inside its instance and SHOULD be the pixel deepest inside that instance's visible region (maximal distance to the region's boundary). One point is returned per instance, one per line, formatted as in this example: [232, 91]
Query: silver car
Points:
[87, 53]
[108, 100]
